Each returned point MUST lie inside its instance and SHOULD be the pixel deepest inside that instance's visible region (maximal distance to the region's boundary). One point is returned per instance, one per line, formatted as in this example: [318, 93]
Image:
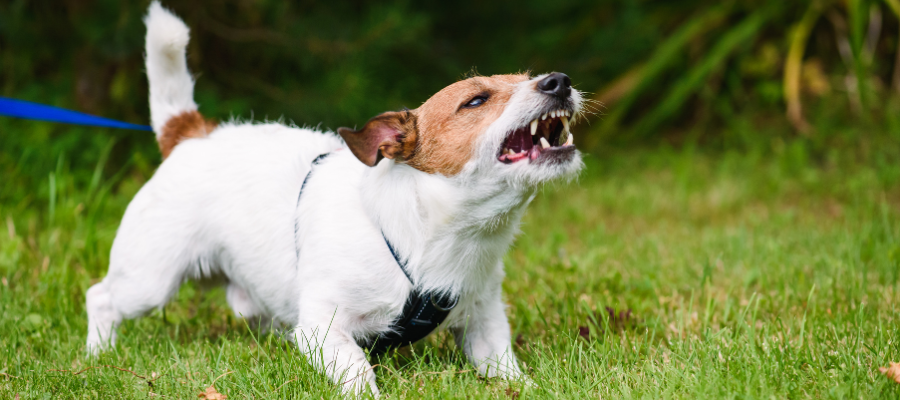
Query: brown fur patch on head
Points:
[447, 131]
[438, 137]
[187, 125]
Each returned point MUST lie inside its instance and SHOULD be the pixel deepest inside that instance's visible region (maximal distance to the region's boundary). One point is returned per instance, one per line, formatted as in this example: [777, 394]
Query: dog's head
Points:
[512, 126]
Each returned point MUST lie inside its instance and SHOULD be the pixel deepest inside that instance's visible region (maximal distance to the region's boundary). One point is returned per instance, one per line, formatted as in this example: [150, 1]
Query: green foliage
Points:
[659, 67]
[692, 82]
[338, 63]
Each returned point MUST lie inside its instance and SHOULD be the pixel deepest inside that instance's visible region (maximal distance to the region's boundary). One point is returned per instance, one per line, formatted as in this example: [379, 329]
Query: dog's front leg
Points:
[335, 353]
[483, 334]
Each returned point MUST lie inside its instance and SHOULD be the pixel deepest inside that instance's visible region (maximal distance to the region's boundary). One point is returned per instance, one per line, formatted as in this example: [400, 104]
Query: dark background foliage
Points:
[717, 72]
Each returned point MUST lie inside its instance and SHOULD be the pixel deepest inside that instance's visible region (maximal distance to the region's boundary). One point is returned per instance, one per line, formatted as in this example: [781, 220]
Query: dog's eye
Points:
[476, 101]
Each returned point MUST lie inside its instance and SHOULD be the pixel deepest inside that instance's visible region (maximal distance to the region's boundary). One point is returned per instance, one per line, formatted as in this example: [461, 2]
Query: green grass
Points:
[766, 272]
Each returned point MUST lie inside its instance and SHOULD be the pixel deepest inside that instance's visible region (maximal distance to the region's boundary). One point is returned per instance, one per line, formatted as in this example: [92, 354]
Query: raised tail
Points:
[173, 112]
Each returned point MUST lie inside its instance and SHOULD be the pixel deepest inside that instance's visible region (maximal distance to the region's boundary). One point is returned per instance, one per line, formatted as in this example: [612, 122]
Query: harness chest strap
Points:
[422, 313]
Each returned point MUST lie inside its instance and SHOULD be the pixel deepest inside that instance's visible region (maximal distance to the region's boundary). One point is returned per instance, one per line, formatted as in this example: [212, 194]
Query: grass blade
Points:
[894, 5]
[799, 36]
[668, 51]
[98, 169]
[856, 11]
[684, 88]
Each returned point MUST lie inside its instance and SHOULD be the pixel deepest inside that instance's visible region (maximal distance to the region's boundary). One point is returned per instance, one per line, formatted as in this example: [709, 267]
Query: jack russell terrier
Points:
[364, 240]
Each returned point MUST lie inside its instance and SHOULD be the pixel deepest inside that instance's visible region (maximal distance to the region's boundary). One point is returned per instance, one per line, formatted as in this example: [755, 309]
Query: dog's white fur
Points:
[227, 206]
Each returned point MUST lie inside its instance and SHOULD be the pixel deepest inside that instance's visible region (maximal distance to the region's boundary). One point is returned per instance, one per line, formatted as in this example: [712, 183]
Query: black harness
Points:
[422, 312]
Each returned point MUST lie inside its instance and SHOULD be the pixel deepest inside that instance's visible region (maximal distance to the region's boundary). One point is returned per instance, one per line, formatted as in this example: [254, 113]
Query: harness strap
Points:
[422, 312]
[315, 162]
[401, 263]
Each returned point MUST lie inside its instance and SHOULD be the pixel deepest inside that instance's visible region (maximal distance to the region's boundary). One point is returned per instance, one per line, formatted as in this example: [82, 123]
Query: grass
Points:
[696, 272]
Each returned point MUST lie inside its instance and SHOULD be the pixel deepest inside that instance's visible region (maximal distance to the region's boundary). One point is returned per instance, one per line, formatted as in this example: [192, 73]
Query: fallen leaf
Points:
[892, 372]
[513, 394]
[619, 320]
[212, 394]
[584, 332]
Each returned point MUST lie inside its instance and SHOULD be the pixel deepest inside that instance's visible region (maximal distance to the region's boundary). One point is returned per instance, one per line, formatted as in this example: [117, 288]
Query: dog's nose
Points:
[556, 84]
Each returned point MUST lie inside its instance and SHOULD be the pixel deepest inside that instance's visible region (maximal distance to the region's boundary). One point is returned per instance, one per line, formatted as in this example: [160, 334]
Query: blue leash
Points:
[28, 110]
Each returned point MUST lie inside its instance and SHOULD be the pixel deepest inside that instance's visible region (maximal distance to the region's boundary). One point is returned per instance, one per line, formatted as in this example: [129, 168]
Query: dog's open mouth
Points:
[545, 137]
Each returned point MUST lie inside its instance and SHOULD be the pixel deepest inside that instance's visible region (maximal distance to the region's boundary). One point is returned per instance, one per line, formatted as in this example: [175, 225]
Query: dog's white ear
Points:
[390, 135]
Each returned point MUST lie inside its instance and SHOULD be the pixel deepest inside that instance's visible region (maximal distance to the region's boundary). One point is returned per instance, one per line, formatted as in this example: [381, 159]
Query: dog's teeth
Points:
[510, 152]
[570, 140]
[553, 114]
[565, 122]
[543, 117]
[544, 143]
[534, 126]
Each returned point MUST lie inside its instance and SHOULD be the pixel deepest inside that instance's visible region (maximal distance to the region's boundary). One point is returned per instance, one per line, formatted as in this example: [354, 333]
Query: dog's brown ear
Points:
[390, 135]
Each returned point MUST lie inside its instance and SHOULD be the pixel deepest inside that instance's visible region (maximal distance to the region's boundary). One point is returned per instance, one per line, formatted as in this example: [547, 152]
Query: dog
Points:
[346, 238]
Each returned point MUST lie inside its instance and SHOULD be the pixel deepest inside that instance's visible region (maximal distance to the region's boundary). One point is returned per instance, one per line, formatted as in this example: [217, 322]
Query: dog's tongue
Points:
[513, 158]
[532, 154]
[517, 157]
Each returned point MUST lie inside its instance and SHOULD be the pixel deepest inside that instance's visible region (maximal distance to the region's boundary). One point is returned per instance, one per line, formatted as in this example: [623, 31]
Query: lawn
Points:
[765, 271]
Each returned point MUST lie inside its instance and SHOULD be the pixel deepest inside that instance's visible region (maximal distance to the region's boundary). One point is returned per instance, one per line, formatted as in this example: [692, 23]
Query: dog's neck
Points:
[452, 231]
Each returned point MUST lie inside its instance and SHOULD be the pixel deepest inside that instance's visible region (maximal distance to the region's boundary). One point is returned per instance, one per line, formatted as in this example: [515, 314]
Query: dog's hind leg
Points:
[125, 295]
[147, 265]
[240, 302]
[244, 307]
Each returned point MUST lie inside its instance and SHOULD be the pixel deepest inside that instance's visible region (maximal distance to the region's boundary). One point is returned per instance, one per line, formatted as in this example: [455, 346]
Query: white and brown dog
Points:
[435, 193]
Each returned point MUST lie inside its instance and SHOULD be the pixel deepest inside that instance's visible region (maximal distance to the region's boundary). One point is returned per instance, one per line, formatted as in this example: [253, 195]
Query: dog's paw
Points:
[360, 389]
[92, 351]
[507, 371]
[95, 346]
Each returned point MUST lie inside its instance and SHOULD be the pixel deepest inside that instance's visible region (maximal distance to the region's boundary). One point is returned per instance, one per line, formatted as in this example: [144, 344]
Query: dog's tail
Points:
[173, 112]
